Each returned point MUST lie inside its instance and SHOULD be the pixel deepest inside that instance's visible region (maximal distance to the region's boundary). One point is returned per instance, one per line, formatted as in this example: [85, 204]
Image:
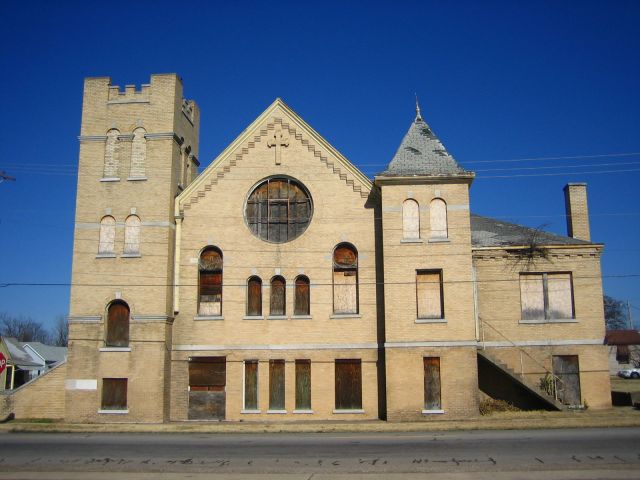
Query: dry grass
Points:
[489, 406]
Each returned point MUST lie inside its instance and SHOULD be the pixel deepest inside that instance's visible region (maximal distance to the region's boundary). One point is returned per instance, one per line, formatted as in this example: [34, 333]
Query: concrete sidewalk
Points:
[616, 417]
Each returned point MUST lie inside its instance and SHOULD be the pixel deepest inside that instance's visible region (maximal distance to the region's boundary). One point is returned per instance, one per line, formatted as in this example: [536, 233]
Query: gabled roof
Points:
[48, 352]
[422, 153]
[18, 357]
[489, 232]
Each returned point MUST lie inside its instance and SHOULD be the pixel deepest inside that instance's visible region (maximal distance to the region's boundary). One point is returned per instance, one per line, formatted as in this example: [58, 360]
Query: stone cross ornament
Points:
[278, 141]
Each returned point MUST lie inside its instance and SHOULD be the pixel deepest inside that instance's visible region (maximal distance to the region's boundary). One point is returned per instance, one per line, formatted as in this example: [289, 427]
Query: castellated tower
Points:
[138, 150]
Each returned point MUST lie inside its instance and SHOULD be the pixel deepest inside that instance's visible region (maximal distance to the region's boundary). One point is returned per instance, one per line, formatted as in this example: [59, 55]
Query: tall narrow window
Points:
[546, 296]
[114, 394]
[118, 324]
[254, 297]
[303, 384]
[276, 385]
[251, 385]
[345, 279]
[410, 220]
[138, 154]
[111, 155]
[302, 296]
[432, 399]
[278, 296]
[348, 385]
[132, 235]
[107, 236]
[438, 218]
[429, 294]
[210, 282]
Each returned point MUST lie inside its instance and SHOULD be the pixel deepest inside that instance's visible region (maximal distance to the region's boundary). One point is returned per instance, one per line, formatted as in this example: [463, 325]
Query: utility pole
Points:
[629, 316]
[4, 177]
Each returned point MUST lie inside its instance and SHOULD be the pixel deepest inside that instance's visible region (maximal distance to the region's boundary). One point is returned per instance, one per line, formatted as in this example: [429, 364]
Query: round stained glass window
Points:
[278, 209]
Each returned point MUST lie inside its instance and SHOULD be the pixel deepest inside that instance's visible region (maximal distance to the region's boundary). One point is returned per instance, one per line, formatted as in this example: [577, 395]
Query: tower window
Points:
[210, 282]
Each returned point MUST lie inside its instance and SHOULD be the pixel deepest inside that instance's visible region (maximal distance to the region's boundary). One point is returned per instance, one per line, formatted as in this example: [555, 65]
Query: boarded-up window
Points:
[254, 296]
[138, 153]
[251, 384]
[303, 384]
[207, 373]
[276, 385]
[278, 296]
[114, 393]
[210, 282]
[107, 235]
[429, 294]
[348, 385]
[622, 353]
[410, 219]
[302, 296]
[118, 325]
[546, 296]
[111, 154]
[132, 235]
[432, 383]
[438, 218]
[345, 279]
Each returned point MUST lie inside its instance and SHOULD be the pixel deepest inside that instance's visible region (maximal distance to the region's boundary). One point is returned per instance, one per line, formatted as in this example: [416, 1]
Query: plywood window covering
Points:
[438, 218]
[410, 219]
[207, 373]
[278, 296]
[118, 325]
[276, 385]
[254, 296]
[138, 153]
[111, 155]
[302, 300]
[251, 384]
[278, 210]
[107, 235]
[132, 235]
[345, 279]
[114, 394]
[303, 384]
[429, 293]
[432, 388]
[210, 282]
[348, 384]
[546, 296]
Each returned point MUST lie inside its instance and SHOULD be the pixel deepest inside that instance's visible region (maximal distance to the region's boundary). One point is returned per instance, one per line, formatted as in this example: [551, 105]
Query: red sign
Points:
[3, 363]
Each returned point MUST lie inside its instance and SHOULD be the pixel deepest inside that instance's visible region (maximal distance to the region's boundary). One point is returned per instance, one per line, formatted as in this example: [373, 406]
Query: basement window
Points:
[276, 386]
[432, 388]
[114, 394]
[348, 384]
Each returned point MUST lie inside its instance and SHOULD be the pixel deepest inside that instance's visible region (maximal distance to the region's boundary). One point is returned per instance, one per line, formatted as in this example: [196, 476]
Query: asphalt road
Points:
[615, 453]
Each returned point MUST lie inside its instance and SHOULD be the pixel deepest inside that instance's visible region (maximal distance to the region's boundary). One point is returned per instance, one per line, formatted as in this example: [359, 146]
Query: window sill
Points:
[130, 255]
[355, 410]
[199, 318]
[114, 349]
[277, 411]
[432, 412]
[346, 315]
[303, 412]
[250, 411]
[136, 179]
[431, 320]
[106, 255]
[253, 317]
[114, 411]
[439, 240]
[411, 240]
[277, 317]
[110, 179]
[301, 317]
[544, 321]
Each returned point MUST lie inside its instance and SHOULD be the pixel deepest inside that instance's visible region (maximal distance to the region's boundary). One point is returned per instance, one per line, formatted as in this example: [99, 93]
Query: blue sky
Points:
[496, 80]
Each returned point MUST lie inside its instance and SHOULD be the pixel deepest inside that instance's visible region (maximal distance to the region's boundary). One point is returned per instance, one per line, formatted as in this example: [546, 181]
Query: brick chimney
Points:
[575, 198]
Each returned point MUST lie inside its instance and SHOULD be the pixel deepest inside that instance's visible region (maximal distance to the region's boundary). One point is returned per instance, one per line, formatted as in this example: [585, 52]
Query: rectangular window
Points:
[251, 385]
[210, 293]
[546, 296]
[114, 393]
[276, 385]
[432, 383]
[348, 385]
[303, 384]
[429, 294]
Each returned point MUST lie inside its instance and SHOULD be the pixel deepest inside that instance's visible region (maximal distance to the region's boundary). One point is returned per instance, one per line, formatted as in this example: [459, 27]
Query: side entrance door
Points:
[207, 381]
[567, 369]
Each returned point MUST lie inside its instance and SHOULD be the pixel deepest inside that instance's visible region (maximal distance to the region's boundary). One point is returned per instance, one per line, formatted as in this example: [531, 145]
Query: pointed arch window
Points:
[118, 324]
[302, 300]
[210, 282]
[254, 297]
[138, 154]
[107, 236]
[278, 299]
[345, 279]
[132, 235]
[410, 220]
[438, 218]
[111, 157]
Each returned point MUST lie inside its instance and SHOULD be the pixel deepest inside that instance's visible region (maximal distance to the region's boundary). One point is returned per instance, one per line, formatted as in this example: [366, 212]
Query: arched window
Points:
[345, 279]
[111, 157]
[107, 235]
[254, 297]
[118, 324]
[138, 154]
[302, 298]
[132, 235]
[410, 219]
[210, 282]
[278, 300]
[438, 218]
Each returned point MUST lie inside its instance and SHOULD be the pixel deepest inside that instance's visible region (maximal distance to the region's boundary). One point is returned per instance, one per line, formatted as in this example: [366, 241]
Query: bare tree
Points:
[22, 328]
[615, 313]
[60, 331]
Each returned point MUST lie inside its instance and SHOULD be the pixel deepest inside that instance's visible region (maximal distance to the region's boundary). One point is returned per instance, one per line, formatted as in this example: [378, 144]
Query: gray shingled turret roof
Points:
[422, 153]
